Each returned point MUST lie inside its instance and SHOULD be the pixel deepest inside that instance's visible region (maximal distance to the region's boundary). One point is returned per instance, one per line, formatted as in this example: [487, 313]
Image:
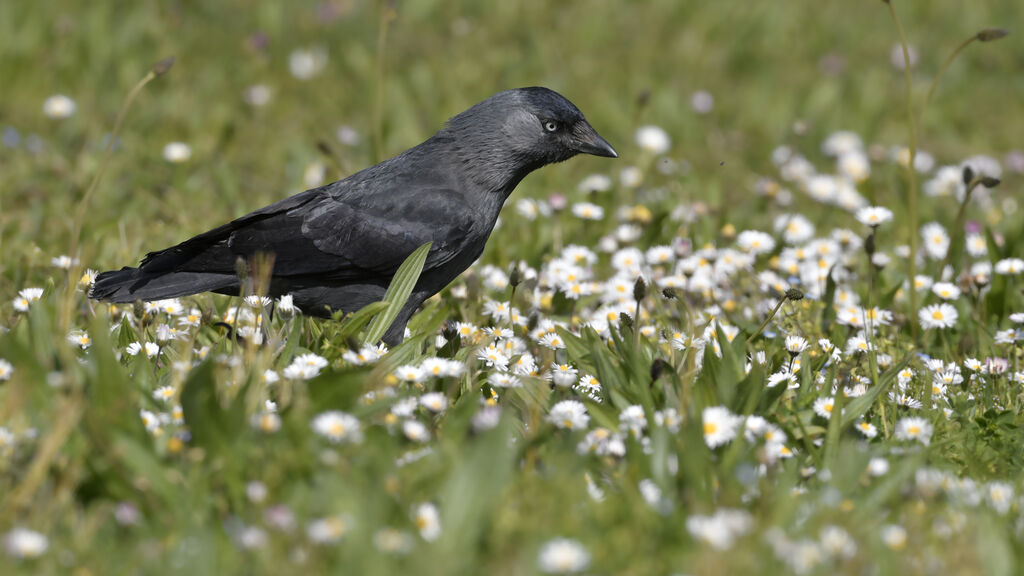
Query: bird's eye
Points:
[550, 126]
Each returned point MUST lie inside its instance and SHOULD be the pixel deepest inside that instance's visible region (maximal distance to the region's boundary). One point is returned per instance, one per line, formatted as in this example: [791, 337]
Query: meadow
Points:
[781, 333]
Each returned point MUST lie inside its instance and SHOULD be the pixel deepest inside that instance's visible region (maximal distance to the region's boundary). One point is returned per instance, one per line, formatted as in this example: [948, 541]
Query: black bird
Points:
[338, 246]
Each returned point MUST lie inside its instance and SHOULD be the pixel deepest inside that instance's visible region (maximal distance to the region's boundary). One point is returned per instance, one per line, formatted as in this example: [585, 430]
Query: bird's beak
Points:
[588, 141]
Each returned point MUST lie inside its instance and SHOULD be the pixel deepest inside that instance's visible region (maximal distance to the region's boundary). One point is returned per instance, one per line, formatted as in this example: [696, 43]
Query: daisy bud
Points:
[532, 320]
[163, 66]
[669, 293]
[639, 289]
[514, 275]
[968, 175]
[794, 294]
[990, 34]
[625, 322]
[869, 244]
[657, 369]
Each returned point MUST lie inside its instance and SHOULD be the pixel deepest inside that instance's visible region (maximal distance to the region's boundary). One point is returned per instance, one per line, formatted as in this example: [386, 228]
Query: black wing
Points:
[340, 231]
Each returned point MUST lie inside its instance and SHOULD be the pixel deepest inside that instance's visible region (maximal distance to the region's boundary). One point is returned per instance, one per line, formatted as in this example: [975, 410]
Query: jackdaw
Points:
[338, 246]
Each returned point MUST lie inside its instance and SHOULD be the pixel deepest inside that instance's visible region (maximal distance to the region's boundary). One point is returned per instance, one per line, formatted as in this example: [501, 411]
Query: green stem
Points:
[767, 320]
[158, 69]
[911, 177]
[942, 70]
[958, 227]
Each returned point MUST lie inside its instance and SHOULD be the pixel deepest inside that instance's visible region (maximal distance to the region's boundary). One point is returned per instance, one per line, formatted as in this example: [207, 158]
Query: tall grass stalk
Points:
[911, 177]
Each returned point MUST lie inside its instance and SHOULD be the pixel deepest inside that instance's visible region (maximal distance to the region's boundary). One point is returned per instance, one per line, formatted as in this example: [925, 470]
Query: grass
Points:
[118, 479]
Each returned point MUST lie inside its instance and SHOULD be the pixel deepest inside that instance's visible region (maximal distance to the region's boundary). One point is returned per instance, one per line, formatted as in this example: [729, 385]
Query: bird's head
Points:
[529, 126]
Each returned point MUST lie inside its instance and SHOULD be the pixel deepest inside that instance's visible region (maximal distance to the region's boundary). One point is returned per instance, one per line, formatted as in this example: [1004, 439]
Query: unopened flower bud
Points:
[639, 289]
[794, 294]
[514, 275]
[658, 368]
[162, 67]
[990, 34]
[968, 175]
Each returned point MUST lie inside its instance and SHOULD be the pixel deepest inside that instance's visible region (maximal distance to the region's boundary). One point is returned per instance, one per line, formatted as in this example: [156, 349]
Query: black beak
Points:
[588, 141]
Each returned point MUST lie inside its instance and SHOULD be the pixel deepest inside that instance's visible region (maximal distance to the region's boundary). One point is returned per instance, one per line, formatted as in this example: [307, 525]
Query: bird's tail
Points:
[132, 284]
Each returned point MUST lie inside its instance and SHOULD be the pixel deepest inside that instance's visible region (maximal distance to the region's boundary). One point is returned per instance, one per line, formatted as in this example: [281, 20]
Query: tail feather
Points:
[132, 284]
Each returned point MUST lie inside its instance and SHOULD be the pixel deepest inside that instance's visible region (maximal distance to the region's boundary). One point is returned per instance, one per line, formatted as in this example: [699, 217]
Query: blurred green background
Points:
[767, 65]
[780, 73]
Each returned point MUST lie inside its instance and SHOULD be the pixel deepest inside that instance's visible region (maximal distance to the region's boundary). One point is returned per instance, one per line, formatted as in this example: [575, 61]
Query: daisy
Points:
[411, 374]
[497, 310]
[328, 530]
[286, 304]
[914, 428]
[338, 427]
[841, 142]
[653, 140]
[80, 338]
[59, 107]
[823, 407]
[755, 242]
[587, 211]
[720, 425]
[946, 290]
[795, 344]
[564, 375]
[563, 556]
[938, 316]
[88, 278]
[553, 341]
[632, 420]
[504, 380]
[306, 63]
[26, 297]
[415, 431]
[569, 414]
[493, 357]
[783, 377]
[434, 401]
[935, 240]
[589, 387]
[867, 429]
[428, 521]
[164, 393]
[905, 400]
[6, 369]
[894, 536]
[976, 245]
[25, 543]
[873, 216]
[669, 418]
[595, 183]
[1009, 266]
[177, 152]
[795, 228]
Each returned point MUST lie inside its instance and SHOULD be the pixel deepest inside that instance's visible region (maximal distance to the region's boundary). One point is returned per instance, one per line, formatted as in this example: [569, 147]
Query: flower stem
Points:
[911, 177]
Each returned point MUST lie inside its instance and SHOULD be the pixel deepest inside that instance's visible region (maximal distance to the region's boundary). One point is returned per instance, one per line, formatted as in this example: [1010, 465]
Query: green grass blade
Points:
[398, 292]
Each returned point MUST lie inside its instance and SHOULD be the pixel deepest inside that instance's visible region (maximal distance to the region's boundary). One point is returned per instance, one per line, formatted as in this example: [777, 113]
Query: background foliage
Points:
[780, 74]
